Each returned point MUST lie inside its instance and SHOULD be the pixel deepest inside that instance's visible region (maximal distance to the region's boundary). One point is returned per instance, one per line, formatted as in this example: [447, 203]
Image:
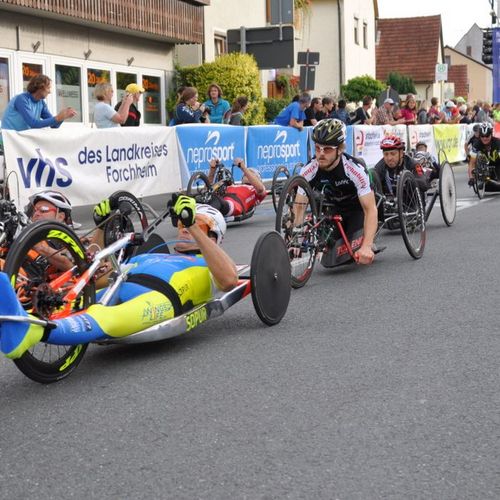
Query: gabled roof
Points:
[409, 46]
[471, 59]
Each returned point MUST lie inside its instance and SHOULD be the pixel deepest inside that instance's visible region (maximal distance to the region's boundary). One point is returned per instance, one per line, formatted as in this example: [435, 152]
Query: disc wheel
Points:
[280, 176]
[411, 214]
[129, 218]
[296, 219]
[199, 188]
[270, 278]
[447, 193]
[34, 280]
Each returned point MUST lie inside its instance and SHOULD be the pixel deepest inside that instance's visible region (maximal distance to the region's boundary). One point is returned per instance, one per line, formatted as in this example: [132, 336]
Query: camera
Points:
[207, 111]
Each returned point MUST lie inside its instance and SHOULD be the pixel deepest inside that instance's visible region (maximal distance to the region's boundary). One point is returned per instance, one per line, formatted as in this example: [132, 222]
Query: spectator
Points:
[495, 113]
[409, 110]
[29, 109]
[293, 115]
[422, 116]
[312, 111]
[341, 112]
[434, 115]
[464, 115]
[189, 110]
[327, 111]
[134, 115]
[450, 113]
[180, 90]
[105, 115]
[219, 108]
[362, 115]
[383, 115]
[240, 105]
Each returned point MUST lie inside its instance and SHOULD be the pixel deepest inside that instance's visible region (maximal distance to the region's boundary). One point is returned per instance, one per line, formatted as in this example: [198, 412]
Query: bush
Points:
[356, 88]
[274, 107]
[403, 84]
[237, 74]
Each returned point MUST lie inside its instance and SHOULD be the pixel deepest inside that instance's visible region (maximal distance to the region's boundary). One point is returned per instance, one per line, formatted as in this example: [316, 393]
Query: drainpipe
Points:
[341, 61]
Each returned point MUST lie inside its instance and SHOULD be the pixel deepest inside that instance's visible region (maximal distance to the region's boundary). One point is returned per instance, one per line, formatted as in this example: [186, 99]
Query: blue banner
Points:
[269, 146]
[496, 64]
[199, 143]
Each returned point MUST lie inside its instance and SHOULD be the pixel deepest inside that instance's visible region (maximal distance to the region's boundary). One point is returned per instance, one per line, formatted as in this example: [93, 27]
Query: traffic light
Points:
[488, 46]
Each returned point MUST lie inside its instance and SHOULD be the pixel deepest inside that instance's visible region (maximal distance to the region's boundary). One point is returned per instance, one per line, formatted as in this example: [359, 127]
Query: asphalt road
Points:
[381, 382]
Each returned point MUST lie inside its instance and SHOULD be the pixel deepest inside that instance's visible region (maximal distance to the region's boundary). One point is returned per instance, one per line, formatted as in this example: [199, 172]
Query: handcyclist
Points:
[428, 162]
[489, 147]
[393, 162]
[238, 199]
[190, 277]
[345, 182]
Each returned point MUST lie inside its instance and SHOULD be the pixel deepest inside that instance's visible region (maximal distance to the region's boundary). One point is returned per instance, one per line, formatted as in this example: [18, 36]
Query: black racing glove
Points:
[183, 208]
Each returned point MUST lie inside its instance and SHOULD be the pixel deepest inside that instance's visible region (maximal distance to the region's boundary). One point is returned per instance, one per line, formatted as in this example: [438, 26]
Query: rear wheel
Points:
[296, 218]
[280, 176]
[199, 188]
[480, 179]
[35, 279]
[447, 193]
[411, 214]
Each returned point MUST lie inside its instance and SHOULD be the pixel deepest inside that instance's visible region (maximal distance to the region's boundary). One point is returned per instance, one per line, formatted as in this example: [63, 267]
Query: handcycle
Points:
[202, 191]
[70, 292]
[280, 176]
[312, 229]
[483, 173]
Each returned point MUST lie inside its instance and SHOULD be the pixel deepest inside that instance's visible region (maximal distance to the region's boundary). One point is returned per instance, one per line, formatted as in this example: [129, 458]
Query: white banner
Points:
[366, 141]
[422, 133]
[87, 165]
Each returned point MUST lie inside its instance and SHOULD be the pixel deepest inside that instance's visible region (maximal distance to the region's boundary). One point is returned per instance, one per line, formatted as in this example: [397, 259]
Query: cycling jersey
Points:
[491, 150]
[343, 185]
[388, 175]
[241, 199]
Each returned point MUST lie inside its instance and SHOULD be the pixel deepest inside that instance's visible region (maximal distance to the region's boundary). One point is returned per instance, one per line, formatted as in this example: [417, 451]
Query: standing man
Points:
[294, 114]
[29, 109]
[383, 115]
[218, 109]
[134, 115]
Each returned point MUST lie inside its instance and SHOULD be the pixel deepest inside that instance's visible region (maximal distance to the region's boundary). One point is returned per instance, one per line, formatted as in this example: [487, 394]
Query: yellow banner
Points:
[447, 141]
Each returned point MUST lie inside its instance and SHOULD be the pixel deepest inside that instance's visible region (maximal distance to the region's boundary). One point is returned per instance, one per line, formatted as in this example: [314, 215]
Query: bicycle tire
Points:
[411, 214]
[277, 184]
[45, 362]
[479, 181]
[305, 241]
[199, 188]
[447, 193]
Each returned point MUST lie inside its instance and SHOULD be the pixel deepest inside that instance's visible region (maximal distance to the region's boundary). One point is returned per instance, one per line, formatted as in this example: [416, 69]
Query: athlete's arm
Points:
[365, 253]
[252, 178]
[211, 171]
[220, 264]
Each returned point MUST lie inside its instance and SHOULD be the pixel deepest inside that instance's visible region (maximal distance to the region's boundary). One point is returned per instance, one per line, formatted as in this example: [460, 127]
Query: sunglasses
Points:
[324, 149]
[44, 209]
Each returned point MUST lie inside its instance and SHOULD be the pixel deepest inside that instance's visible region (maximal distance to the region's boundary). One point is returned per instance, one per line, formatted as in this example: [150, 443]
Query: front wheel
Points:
[199, 188]
[42, 283]
[480, 180]
[296, 220]
[281, 174]
[447, 193]
[411, 214]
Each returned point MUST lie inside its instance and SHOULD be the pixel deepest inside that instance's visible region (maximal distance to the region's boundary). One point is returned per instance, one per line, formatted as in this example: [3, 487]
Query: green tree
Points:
[403, 84]
[356, 88]
[237, 74]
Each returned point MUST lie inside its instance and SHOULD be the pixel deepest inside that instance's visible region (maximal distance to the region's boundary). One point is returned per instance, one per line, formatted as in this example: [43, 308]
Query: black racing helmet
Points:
[485, 129]
[329, 132]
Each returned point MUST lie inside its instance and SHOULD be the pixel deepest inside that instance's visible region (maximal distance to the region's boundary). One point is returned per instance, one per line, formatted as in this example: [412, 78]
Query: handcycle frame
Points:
[481, 175]
[279, 182]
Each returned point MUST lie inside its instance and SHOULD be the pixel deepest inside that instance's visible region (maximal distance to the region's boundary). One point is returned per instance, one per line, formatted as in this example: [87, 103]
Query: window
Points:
[152, 99]
[356, 31]
[122, 80]
[468, 50]
[220, 45]
[447, 60]
[365, 35]
[4, 84]
[95, 76]
[69, 90]
[29, 71]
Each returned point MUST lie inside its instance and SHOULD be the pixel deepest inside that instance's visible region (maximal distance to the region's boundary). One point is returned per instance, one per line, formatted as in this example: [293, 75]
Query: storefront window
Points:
[152, 99]
[4, 84]
[95, 76]
[68, 90]
[122, 80]
[29, 71]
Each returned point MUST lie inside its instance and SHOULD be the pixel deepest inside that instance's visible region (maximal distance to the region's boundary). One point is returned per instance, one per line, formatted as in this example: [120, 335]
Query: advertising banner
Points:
[200, 143]
[422, 133]
[269, 146]
[448, 139]
[88, 165]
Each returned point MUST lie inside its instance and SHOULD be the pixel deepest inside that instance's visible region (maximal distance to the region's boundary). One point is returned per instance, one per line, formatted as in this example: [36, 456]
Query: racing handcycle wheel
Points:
[296, 220]
[41, 287]
[199, 188]
[411, 214]
[480, 174]
[280, 176]
[270, 278]
[447, 193]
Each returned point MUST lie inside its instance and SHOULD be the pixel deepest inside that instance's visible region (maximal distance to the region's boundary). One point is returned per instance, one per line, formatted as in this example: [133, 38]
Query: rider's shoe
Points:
[15, 338]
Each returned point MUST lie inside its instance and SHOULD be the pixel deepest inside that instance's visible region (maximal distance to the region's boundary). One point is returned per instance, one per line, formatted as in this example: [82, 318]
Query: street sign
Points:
[281, 11]
[308, 58]
[307, 77]
[441, 72]
[272, 46]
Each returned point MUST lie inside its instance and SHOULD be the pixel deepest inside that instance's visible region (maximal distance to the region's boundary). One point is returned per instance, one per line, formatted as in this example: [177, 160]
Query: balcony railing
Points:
[174, 20]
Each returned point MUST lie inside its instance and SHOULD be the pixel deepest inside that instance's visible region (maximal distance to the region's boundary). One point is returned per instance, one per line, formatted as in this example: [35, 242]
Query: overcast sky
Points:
[457, 16]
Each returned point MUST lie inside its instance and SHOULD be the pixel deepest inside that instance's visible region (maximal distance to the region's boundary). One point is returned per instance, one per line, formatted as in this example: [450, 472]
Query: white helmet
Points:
[213, 219]
[56, 198]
